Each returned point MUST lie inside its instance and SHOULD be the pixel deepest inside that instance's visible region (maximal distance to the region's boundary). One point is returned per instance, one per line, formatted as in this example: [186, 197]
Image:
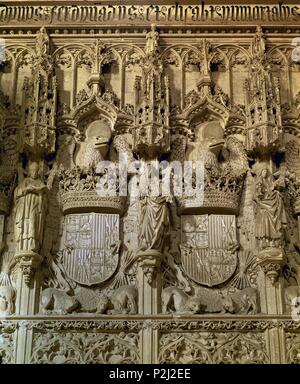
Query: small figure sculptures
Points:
[258, 45]
[154, 223]
[58, 302]
[42, 43]
[176, 300]
[152, 39]
[30, 208]
[290, 294]
[7, 297]
[122, 301]
[243, 302]
[270, 213]
[65, 154]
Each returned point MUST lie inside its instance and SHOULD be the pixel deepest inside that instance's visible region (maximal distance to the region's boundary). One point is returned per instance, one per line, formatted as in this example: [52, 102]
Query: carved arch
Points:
[23, 56]
[181, 49]
[232, 47]
[281, 48]
[19, 50]
[171, 57]
[9, 56]
[271, 55]
[120, 53]
[207, 109]
[293, 128]
[110, 55]
[75, 48]
[281, 66]
[93, 109]
[219, 57]
[180, 52]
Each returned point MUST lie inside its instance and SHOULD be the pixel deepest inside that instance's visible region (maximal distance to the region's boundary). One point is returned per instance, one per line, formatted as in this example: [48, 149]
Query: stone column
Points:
[271, 295]
[149, 282]
[30, 211]
[149, 344]
[270, 222]
[275, 340]
[270, 282]
[28, 291]
[297, 212]
[298, 228]
[23, 349]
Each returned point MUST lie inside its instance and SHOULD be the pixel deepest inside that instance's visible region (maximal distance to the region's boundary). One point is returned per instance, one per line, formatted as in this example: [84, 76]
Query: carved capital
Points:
[27, 262]
[149, 261]
[271, 261]
[272, 271]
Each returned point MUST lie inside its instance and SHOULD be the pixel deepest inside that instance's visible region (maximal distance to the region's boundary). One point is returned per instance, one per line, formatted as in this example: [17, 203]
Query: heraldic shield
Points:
[90, 254]
[206, 252]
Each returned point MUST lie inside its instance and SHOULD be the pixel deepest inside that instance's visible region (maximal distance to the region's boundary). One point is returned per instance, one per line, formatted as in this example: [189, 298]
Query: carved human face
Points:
[264, 173]
[195, 305]
[33, 170]
[228, 305]
[188, 227]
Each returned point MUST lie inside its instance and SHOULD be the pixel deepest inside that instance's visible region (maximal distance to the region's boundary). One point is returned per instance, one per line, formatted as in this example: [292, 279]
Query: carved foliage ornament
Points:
[85, 348]
[212, 348]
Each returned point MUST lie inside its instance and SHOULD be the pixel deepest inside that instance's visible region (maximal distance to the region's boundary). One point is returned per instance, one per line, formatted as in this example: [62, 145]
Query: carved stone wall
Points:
[114, 277]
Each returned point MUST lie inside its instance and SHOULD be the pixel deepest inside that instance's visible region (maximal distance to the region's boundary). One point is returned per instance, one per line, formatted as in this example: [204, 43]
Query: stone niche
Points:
[87, 277]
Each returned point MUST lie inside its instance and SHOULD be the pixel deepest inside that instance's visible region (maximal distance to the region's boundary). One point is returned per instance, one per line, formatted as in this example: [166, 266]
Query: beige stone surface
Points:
[88, 278]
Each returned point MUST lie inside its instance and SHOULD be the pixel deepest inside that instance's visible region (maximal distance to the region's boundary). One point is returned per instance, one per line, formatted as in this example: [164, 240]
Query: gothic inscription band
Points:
[205, 12]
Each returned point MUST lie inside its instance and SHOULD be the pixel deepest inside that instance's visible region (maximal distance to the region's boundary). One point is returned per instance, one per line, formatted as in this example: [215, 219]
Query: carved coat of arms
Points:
[207, 250]
[91, 241]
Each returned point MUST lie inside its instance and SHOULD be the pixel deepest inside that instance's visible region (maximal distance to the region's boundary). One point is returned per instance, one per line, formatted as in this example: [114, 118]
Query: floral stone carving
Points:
[85, 348]
[212, 348]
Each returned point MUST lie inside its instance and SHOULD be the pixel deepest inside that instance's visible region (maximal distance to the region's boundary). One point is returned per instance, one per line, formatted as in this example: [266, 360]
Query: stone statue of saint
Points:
[259, 45]
[30, 206]
[270, 212]
[42, 43]
[152, 39]
[154, 223]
